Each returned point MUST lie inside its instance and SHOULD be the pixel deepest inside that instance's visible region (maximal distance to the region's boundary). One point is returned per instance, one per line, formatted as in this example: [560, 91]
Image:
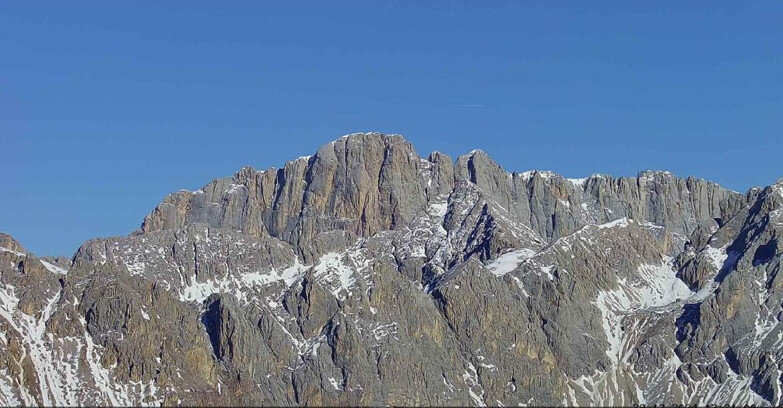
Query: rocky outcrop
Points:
[368, 275]
[10, 244]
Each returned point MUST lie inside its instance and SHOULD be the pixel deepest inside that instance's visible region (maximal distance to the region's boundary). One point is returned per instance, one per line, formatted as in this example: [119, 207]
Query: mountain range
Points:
[366, 275]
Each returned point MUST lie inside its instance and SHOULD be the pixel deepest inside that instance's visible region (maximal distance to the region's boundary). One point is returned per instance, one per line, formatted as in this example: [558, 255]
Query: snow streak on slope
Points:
[627, 313]
[4, 249]
[54, 268]
[238, 284]
[652, 287]
[60, 378]
[339, 271]
[509, 261]
[31, 332]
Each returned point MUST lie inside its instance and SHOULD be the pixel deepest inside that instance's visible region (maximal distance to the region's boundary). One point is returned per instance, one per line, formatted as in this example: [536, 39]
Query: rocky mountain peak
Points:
[330, 280]
[364, 183]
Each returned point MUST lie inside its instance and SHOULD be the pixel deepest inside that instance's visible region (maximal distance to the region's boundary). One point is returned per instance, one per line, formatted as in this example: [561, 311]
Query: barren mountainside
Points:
[368, 275]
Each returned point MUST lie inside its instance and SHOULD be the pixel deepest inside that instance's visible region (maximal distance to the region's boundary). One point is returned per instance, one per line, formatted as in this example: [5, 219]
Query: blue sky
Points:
[106, 107]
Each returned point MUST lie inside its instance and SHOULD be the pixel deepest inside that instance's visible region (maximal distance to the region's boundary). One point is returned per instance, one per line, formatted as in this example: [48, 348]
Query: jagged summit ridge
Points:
[368, 182]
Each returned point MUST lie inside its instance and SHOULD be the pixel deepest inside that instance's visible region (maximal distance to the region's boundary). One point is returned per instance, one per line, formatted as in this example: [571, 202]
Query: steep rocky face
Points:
[367, 275]
[361, 184]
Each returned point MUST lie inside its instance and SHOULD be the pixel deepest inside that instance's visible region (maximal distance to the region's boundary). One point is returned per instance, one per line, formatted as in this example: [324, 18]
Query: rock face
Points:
[368, 275]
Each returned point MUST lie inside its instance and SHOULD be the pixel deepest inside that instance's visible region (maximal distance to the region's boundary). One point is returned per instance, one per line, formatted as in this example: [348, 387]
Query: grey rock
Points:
[367, 275]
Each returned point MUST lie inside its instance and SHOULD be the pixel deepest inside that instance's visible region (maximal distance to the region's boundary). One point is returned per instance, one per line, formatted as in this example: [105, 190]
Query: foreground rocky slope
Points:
[367, 275]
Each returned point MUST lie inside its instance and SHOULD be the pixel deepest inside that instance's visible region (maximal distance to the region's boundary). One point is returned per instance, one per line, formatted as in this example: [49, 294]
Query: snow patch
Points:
[235, 187]
[438, 209]
[4, 249]
[470, 378]
[332, 268]
[383, 330]
[509, 261]
[547, 271]
[620, 223]
[577, 182]
[54, 268]
[718, 256]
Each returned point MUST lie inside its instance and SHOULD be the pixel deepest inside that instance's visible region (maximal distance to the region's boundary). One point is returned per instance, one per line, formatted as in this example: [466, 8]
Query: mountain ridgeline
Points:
[368, 275]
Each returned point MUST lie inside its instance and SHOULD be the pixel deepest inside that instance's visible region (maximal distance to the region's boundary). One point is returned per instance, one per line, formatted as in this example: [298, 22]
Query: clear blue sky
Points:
[106, 107]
